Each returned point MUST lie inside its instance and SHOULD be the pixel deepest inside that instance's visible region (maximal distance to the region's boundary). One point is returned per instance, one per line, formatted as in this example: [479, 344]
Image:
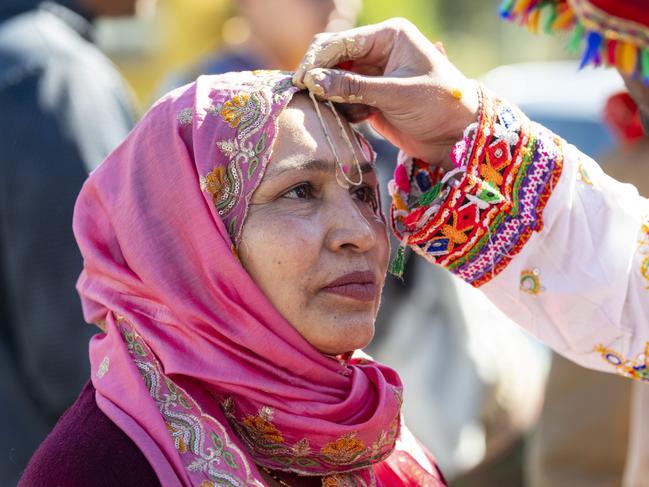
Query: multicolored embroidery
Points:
[476, 218]
[643, 249]
[531, 281]
[272, 450]
[633, 368]
[205, 446]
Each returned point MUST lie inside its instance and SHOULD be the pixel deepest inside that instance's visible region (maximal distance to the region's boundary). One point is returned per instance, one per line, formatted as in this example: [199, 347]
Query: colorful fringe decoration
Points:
[398, 264]
[592, 34]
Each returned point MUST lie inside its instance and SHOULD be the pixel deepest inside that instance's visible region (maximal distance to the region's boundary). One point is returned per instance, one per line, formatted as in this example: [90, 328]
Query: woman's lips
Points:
[359, 285]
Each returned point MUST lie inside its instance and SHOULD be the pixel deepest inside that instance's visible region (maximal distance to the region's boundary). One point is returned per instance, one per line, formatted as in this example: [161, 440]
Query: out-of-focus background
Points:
[179, 33]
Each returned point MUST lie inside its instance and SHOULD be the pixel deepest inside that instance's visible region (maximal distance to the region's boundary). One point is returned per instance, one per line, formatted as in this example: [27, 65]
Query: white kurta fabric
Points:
[589, 260]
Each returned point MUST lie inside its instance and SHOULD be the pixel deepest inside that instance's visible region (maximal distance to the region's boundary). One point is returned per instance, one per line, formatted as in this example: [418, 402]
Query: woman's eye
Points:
[302, 191]
[367, 194]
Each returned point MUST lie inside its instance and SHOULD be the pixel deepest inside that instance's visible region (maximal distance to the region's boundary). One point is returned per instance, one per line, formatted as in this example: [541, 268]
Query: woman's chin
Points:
[344, 338]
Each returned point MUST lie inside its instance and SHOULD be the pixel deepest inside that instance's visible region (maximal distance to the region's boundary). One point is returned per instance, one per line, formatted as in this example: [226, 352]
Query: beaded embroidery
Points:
[634, 369]
[476, 218]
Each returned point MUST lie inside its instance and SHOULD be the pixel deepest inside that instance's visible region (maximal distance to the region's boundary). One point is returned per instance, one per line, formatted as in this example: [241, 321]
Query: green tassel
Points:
[574, 43]
[547, 26]
[398, 264]
[644, 63]
[429, 196]
[506, 7]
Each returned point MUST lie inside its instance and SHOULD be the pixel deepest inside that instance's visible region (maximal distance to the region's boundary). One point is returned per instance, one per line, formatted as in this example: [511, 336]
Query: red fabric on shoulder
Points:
[86, 448]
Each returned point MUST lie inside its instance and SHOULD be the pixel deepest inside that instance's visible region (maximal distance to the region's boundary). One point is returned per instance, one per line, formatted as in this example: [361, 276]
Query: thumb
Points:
[347, 87]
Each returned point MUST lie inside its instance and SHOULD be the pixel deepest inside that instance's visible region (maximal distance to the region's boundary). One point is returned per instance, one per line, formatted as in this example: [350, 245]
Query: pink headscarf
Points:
[228, 382]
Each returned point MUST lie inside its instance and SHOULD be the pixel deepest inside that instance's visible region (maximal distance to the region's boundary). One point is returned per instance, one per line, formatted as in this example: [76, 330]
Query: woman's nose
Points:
[349, 227]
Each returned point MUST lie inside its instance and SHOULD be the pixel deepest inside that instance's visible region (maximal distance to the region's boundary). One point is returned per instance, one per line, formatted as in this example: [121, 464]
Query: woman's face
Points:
[317, 248]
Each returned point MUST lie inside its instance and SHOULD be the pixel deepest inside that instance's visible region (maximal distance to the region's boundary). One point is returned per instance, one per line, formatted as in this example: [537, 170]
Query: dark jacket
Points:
[64, 109]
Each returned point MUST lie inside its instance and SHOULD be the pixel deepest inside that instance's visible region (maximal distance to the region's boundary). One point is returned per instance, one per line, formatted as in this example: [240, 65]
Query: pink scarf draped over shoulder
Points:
[183, 367]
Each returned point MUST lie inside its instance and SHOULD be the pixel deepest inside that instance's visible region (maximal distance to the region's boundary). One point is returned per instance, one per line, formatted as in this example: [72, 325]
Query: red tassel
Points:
[611, 48]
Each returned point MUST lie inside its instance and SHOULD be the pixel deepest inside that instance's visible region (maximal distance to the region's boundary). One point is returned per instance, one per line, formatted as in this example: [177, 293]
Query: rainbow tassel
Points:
[506, 9]
[533, 21]
[549, 21]
[564, 20]
[591, 54]
[628, 58]
[522, 6]
[644, 65]
[611, 52]
[575, 39]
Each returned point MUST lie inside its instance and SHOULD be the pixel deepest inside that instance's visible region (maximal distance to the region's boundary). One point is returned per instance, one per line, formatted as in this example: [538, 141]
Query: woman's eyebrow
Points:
[315, 165]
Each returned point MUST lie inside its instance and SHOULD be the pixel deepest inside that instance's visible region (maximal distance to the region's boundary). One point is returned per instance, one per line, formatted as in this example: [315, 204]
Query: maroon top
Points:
[86, 448]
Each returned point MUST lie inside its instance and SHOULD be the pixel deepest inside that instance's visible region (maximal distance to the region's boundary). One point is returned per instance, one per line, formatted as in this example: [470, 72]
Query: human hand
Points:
[399, 81]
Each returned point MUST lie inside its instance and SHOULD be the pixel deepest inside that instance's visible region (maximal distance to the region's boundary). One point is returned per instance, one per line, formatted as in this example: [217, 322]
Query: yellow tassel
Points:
[627, 57]
[533, 21]
[398, 203]
[521, 6]
[563, 20]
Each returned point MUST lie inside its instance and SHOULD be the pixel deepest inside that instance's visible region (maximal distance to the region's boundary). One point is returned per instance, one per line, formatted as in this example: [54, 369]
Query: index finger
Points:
[371, 43]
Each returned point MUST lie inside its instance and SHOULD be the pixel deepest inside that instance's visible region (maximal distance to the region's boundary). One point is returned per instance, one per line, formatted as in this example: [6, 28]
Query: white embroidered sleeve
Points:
[556, 244]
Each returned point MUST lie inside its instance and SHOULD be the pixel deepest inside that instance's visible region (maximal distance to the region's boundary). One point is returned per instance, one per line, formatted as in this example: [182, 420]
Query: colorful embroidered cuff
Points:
[476, 217]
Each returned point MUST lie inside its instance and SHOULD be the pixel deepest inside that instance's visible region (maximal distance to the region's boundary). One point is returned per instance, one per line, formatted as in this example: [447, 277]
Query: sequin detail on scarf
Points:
[476, 218]
[205, 447]
[243, 150]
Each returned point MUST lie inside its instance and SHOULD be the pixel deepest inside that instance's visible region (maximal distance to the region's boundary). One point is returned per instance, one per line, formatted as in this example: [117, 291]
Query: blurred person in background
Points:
[269, 34]
[66, 107]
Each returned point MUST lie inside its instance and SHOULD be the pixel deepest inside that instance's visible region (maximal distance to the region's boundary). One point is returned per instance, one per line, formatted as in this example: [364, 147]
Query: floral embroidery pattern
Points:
[633, 368]
[347, 480]
[223, 184]
[531, 281]
[475, 218]
[185, 116]
[344, 450]
[204, 444]
[236, 109]
[245, 117]
[103, 367]
[272, 450]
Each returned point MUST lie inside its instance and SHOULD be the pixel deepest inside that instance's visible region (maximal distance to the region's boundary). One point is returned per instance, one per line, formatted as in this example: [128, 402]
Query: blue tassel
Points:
[591, 53]
[505, 9]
